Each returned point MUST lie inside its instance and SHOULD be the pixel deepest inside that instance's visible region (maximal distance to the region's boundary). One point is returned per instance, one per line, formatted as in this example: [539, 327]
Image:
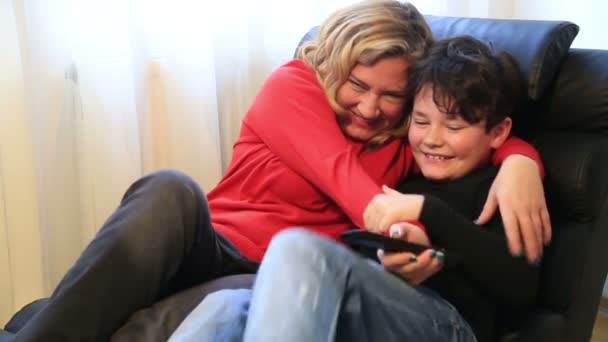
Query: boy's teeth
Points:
[435, 157]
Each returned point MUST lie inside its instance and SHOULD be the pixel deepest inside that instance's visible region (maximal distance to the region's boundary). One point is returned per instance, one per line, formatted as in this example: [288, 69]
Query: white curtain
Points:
[96, 93]
[505, 9]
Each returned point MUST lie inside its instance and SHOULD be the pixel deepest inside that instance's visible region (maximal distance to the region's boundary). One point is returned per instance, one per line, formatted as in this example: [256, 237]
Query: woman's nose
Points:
[369, 106]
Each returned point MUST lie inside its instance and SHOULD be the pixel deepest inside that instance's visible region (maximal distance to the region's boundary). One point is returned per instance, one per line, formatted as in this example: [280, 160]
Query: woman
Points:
[320, 138]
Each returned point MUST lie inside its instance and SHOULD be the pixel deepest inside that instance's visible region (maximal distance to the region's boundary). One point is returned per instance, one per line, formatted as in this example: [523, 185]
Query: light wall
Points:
[590, 15]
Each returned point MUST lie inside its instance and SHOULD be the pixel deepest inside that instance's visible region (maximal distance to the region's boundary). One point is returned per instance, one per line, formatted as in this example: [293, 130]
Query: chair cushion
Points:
[579, 101]
[538, 46]
[540, 327]
[157, 322]
[574, 163]
[22, 316]
[6, 336]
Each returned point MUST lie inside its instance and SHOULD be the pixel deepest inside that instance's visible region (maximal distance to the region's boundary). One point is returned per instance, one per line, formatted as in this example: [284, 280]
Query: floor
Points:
[600, 330]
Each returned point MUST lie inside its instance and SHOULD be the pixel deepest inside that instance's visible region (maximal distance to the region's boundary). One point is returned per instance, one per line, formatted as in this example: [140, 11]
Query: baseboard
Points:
[603, 309]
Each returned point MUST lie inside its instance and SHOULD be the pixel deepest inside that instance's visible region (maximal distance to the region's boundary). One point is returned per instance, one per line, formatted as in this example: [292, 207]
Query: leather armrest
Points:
[576, 165]
[542, 326]
[159, 321]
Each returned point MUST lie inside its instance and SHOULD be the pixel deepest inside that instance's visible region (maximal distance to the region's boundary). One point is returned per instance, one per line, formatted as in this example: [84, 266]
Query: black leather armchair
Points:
[566, 117]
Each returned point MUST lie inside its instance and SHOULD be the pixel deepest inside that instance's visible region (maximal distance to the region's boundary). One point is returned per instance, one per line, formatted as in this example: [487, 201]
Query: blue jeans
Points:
[309, 288]
[214, 320]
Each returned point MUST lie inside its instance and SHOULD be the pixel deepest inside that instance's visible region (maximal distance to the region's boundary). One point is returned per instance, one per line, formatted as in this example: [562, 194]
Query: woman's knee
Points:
[170, 181]
[157, 204]
[167, 188]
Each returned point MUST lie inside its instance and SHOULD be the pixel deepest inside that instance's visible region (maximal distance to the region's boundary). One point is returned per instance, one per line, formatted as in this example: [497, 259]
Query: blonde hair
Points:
[365, 33]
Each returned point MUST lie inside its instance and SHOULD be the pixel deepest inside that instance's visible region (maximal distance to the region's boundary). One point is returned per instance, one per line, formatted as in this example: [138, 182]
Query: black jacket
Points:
[486, 280]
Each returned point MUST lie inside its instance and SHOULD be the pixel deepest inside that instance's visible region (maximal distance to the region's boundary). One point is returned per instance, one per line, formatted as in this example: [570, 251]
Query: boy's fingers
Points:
[428, 265]
[398, 259]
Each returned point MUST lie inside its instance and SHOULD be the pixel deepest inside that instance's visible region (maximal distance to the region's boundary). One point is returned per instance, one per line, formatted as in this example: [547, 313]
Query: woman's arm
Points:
[516, 146]
[293, 118]
[519, 193]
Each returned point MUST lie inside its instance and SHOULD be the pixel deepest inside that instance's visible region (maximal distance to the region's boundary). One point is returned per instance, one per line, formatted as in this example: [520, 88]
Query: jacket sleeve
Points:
[514, 145]
[483, 252]
[294, 119]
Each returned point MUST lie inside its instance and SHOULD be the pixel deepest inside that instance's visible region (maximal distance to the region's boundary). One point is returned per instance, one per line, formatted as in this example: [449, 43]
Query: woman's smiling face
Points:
[373, 97]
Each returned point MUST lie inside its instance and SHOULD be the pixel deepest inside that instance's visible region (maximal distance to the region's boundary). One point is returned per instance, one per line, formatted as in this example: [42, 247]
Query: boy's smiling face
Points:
[447, 147]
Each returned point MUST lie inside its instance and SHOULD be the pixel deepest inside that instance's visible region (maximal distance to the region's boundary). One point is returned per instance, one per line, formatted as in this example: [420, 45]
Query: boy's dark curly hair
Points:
[468, 79]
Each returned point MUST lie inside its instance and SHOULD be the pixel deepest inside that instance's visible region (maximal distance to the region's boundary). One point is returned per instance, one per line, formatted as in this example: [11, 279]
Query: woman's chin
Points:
[358, 134]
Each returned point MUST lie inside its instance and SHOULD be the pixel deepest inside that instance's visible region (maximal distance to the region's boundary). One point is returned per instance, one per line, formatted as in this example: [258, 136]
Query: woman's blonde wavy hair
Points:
[365, 33]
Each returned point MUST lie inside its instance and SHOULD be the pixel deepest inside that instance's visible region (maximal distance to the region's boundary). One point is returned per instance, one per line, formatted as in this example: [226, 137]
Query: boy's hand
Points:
[413, 269]
[391, 207]
[519, 194]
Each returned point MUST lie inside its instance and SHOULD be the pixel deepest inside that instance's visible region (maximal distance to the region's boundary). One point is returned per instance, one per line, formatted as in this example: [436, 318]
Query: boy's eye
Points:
[420, 123]
[455, 128]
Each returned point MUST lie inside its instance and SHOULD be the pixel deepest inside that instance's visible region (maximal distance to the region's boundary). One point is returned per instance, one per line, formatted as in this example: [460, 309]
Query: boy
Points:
[464, 96]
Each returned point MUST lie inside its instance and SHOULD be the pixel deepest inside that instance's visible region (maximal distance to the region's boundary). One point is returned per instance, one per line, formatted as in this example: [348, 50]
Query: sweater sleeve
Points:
[483, 252]
[294, 119]
[514, 145]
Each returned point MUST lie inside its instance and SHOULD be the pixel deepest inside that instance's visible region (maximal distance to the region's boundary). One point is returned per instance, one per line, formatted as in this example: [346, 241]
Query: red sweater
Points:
[292, 166]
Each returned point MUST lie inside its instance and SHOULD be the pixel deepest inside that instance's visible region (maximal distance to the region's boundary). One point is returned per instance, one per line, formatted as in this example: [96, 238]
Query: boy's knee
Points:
[299, 246]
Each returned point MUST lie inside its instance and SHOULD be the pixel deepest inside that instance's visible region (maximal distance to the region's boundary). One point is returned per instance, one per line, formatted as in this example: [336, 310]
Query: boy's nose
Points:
[433, 137]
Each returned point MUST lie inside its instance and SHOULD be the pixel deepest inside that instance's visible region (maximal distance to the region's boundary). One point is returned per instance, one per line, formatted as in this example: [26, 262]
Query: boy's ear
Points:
[500, 132]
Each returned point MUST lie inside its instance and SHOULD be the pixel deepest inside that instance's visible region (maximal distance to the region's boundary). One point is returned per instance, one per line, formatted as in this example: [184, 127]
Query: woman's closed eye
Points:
[395, 96]
[357, 85]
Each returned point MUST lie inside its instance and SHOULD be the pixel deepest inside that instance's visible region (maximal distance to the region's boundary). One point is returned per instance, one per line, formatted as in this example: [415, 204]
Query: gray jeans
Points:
[157, 242]
[309, 288]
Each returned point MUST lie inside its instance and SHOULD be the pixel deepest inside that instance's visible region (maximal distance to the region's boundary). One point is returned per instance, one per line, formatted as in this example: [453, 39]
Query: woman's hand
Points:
[391, 207]
[519, 194]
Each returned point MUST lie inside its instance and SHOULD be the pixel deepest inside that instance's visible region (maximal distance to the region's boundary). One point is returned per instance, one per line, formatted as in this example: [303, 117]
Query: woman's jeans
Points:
[309, 288]
[158, 241]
